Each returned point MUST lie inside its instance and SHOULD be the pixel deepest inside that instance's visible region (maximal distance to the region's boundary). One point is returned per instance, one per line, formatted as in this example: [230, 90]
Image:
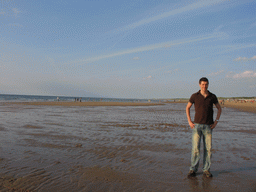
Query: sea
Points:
[34, 98]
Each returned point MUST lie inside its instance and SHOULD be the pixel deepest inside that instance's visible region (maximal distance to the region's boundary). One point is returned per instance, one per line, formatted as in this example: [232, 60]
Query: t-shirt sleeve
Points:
[215, 100]
[192, 99]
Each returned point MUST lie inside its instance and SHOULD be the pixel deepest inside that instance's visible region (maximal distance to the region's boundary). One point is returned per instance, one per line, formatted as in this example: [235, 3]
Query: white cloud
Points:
[10, 12]
[136, 58]
[147, 78]
[241, 59]
[245, 58]
[253, 25]
[245, 74]
[190, 7]
[151, 47]
[119, 79]
[15, 11]
[15, 25]
[216, 73]
[171, 71]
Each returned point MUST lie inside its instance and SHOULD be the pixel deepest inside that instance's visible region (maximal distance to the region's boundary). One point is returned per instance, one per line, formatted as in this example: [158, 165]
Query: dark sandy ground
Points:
[119, 148]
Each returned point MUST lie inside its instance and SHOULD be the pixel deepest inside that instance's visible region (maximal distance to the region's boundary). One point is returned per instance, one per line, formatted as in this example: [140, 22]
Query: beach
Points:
[89, 103]
[118, 146]
[242, 106]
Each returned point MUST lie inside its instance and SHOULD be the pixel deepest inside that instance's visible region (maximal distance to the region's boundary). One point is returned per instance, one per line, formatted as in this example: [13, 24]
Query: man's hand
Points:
[191, 124]
[214, 124]
[218, 116]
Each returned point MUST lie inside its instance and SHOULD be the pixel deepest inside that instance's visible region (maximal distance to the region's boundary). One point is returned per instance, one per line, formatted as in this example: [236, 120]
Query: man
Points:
[202, 126]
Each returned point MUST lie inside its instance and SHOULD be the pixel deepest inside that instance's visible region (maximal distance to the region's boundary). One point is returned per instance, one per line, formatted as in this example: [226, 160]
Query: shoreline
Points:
[246, 107]
[83, 104]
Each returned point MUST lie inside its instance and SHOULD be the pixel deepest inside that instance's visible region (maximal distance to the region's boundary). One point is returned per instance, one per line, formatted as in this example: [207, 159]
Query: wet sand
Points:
[242, 106]
[116, 148]
[89, 103]
[248, 106]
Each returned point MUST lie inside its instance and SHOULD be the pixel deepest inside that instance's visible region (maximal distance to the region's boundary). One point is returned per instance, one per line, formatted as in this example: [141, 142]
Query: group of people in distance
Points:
[78, 99]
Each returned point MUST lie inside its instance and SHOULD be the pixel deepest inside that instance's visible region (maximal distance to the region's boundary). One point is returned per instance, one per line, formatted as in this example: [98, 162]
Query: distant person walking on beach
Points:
[202, 126]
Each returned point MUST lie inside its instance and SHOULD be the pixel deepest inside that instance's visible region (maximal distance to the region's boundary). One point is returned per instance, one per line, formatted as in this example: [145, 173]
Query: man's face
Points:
[203, 85]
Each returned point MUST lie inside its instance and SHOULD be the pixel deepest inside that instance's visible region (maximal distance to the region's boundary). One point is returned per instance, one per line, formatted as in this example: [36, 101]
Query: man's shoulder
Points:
[195, 94]
[212, 94]
[194, 97]
[213, 98]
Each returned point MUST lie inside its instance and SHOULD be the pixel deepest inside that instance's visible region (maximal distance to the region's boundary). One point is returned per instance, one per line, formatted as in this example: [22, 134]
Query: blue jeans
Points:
[205, 131]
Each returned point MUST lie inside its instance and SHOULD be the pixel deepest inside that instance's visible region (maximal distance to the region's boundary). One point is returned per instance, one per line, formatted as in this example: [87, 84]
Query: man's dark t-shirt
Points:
[203, 107]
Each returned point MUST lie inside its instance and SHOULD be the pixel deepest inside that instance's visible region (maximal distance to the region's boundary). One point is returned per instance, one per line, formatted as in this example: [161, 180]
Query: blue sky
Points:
[127, 48]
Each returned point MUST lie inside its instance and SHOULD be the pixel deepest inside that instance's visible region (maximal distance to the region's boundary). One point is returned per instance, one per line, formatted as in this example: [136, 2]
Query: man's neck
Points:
[204, 93]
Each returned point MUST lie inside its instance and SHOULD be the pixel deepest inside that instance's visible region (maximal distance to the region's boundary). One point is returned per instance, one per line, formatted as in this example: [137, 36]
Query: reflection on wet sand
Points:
[117, 148]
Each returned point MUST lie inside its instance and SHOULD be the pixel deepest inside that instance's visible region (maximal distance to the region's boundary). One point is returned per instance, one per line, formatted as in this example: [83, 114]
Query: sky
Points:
[141, 49]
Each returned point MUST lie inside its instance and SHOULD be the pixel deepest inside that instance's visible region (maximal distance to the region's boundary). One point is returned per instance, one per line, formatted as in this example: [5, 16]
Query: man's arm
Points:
[218, 116]
[191, 124]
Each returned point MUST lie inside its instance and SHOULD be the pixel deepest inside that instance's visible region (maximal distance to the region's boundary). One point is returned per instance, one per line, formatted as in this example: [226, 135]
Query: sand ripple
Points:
[116, 148]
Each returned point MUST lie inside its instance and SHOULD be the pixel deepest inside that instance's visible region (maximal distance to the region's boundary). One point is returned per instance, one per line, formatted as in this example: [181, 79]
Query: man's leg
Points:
[195, 152]
[207, 141]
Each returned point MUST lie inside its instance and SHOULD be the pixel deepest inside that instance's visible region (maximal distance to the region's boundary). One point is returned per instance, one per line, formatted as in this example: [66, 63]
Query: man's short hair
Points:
[204, 79]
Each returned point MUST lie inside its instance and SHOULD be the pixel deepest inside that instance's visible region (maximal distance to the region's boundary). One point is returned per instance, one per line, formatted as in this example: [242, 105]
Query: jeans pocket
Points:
[208, 129]
[196, 126]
